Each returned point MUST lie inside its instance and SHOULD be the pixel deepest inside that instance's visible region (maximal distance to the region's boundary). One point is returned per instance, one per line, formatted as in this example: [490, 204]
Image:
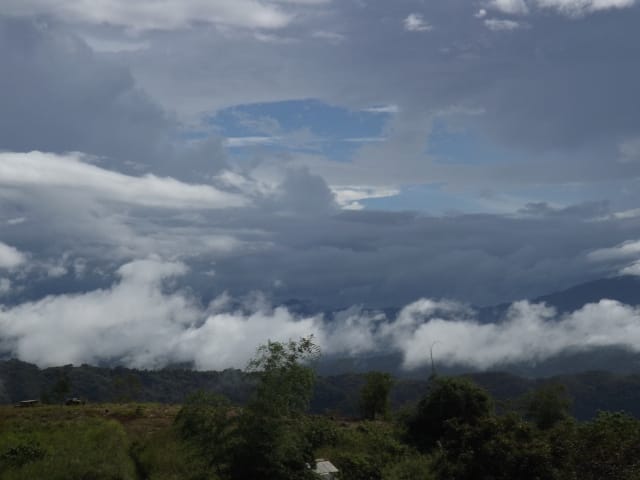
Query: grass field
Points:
[87, 442]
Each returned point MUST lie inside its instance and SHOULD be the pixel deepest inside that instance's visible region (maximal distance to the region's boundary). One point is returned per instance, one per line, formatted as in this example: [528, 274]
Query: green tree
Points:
[367, 451]
[206, 422]
[285, 378]
[548, 405]
[608, 448]
[272, 439]
[493, 448]
[448, 400]
[374, 396]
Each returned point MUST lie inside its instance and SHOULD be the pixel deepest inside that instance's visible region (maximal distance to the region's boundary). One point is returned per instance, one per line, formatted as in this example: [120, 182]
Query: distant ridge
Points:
[624, 289]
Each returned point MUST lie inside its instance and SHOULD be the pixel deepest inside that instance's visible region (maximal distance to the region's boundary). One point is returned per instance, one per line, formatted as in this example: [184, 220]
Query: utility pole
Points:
[433, 367]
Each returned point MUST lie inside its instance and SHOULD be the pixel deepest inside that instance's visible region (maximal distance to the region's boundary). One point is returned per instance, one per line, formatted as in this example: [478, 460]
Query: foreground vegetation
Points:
[456, 431]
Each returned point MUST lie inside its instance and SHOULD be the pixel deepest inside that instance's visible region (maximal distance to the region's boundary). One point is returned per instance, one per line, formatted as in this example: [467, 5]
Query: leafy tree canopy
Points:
[273, 440]
[548, 405]
[374, 395]
[448, 399]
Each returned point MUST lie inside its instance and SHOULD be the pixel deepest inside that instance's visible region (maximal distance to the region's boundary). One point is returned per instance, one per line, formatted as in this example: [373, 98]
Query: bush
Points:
[206, 423]
[367, 451]
[414, 467]
[20, 455]
[448, 399]
[494, 448]
[166, 456]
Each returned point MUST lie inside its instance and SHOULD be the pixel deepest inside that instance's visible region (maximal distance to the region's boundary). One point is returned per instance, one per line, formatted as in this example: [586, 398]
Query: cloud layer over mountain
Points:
[329, 156]
[138, 322]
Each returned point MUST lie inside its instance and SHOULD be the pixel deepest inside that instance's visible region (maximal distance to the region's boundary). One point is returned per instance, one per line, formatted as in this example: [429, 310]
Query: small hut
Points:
[325, 469]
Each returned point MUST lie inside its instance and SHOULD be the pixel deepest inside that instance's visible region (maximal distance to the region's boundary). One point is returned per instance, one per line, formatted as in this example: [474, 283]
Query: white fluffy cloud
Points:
[70, 172]
[625, 250]
[141, 323]
[581, 7]
[171, 14]
[10, 257]
[499, 25]
[415, 22]
[513, 7]
[136, 323]
[626, 254]
[567, 7]
[633, 269]
[349, 197]
[529, 333]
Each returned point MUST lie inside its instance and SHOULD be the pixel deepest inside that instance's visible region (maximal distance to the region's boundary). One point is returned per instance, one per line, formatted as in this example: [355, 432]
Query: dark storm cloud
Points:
[558, 93]
[57, 95]
[389, 259]
[144, 204]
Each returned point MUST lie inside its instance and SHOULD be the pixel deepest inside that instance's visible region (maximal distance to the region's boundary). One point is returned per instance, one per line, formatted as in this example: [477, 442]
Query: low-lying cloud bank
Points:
[144, 321]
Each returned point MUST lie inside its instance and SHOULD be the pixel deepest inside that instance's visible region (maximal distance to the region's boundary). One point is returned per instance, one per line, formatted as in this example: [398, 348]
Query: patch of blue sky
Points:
[433, 198]
[301, 125]
[437, 199]
[459, 145]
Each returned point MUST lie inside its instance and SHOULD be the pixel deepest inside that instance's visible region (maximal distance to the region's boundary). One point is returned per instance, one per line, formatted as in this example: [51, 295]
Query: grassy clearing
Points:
[74, 449]
[80, 442]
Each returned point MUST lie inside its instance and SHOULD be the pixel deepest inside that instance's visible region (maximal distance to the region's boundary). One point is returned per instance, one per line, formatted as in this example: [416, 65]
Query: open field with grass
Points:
[97, 441]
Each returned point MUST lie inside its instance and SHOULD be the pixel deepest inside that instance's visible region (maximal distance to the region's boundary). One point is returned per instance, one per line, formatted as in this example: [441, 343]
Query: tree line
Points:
[456, 431]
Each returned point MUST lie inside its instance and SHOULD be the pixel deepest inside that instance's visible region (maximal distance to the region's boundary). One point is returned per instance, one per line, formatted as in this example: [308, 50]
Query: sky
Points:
[186, 179]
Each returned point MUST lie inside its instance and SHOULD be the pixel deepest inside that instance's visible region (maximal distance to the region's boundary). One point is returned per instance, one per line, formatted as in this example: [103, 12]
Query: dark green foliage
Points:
[493, 448]
[206, 422]
[547, 405]
[414, 467]
[448, 400]
[126, 387]
[19, 455]
[22, 381]
[608, 448]
[454, 433]
[374, 396]
[271, 436]
[166, 456]
[271, 448]
[358, 467]
[286, 381]
[368, 450]
[59, 391]
[590, 391]
[320, 432]
[211, 440]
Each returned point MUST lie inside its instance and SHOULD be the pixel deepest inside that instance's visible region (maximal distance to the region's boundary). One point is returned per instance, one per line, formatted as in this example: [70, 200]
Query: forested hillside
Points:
[590, 391]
